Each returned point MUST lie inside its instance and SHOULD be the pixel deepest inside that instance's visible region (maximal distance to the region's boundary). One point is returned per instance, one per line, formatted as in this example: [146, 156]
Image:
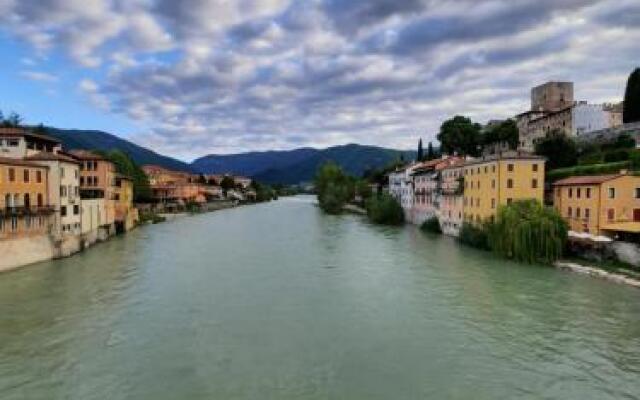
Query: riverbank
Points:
[598, 272]
[22, 252]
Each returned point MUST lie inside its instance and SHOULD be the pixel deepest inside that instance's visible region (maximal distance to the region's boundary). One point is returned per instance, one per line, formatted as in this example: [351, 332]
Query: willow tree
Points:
[529, 232]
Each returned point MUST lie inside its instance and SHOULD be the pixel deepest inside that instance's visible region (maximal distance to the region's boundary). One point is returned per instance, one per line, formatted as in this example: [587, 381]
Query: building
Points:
[601, 204]
[451, 210]
[19, 143]
[97, 181]
[64, 196]
[243, 182]
[498, 180]
[425, 185]
[126, 215]
[552, 96]
[177, 188]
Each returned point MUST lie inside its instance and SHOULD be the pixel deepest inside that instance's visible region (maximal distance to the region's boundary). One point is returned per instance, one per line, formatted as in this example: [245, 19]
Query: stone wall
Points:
[23, 251]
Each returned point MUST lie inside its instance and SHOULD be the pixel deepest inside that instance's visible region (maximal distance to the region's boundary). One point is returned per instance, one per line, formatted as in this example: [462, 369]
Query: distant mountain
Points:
[98, 140]
[251, 163]
[300, 165]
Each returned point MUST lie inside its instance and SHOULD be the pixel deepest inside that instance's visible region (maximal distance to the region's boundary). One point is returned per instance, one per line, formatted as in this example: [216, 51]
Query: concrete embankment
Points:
[598, 273]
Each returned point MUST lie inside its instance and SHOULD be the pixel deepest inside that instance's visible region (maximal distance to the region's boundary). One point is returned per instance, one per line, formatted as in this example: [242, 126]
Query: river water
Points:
[278, 301]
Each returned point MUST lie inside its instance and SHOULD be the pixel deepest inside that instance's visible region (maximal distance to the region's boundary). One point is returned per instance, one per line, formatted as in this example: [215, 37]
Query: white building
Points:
[588, 118]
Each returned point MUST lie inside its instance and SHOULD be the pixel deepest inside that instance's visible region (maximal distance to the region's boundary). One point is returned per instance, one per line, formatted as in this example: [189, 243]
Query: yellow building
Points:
[126, 213]
[498, 180]
[601, 204]
[24, 199]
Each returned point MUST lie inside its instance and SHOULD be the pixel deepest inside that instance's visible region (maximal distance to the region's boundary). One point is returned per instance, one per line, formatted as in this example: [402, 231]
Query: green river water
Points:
[278, 301]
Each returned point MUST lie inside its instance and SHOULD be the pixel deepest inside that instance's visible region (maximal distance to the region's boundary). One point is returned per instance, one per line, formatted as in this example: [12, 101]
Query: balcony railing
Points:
[22, 210]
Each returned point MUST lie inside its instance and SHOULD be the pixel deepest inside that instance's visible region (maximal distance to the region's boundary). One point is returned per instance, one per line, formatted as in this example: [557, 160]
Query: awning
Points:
[631, 226]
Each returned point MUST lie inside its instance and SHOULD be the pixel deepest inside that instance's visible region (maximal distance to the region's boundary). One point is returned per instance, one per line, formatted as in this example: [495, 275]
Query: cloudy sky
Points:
[190, 77]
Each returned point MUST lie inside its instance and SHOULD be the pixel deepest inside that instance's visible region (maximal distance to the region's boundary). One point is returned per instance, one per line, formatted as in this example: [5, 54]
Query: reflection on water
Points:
[278, 301]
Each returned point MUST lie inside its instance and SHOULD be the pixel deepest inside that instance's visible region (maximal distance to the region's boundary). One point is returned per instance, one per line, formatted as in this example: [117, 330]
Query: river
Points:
[278, 301]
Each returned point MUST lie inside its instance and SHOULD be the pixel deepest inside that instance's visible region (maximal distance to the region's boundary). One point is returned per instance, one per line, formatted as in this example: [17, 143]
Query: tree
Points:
[559, 150]
[420, 156]
[14, 120]
[126, 166]
[334, 188]
[385, 209]
[527, 231]
[460, 135]
[504, 132]
[227, 183]
[431, 154]
[631, 107]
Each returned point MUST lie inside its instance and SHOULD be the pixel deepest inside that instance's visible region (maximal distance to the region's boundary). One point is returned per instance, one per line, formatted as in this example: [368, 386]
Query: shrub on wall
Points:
[431, 225]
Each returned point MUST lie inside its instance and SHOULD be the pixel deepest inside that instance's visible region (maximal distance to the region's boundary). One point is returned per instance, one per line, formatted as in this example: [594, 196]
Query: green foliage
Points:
[474, 236]
[227, 183]
[385, 210]
[14, 120]
[363, 189]
[334, 188]
[126, 166]
[263, 192]
[506, 131]
[591, 158]
[631, 110]
[595, 169]
[431, 225]
[527, 231]
[560, 150]
[431, 153]
[420, 155]
[460, 135]
[634, 158]
[616, 155]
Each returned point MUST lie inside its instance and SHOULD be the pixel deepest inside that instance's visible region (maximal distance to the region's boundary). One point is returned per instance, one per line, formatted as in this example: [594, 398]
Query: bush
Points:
[384, 209]
[591, 158]
[527, 231]
[334, 188]
[594, 169]
[474, 236]
[616, 155]
[431, 225]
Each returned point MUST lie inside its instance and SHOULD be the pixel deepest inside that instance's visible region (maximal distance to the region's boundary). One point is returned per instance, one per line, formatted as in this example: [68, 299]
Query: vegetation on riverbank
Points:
[524, 231]
[384, 209]
[334, 188]
[431, 225]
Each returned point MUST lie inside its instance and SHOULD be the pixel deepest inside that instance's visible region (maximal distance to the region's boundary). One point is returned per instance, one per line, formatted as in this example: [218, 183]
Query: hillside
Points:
[354, 159]
[251, 163]
[98, 140]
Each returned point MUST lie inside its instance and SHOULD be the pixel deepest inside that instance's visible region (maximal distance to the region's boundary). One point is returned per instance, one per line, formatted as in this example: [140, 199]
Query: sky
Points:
[194, 77]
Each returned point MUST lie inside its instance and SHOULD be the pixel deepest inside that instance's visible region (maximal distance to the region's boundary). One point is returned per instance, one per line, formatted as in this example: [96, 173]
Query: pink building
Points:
[450, 212]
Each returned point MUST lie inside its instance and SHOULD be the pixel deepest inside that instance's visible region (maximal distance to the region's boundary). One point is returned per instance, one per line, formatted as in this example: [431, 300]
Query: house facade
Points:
[600, 205]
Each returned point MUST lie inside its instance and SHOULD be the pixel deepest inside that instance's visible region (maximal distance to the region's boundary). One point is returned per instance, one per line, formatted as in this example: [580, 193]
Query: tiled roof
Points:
[585, 180]
[20, 162]
[45, 156]
[13, 132]
[86, 155]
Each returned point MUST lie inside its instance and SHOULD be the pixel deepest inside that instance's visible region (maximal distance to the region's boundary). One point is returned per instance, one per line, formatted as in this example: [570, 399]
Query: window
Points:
[63, 191]
[40, 202]
[578, 212]
[12, 175]
[63, 211]
[39, 176]
[510, 167]
[82, 181]
[534, 183]
[578, 192]
[486, 169]
[612, 193]
[569, 212]
[493, 168]
[509, 183]
[61, 172]
[76, 209]
[493, 203]
[509, 200]
[478, 185]
[534, 167]
[637, 193]
[493, 184]
[25, 175]
[611, 214]
[12, 142]
[75, 173]
[588, 193]
[587, 213]
[570, 192]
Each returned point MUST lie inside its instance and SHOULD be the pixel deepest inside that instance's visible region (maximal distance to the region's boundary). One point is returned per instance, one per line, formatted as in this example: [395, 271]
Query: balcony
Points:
[22, 210]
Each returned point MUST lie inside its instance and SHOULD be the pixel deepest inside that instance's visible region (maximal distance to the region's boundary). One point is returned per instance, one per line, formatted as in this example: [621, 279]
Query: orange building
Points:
[126, 214]
[24, 198]
[97, 181]
[174, 186]
[601, 204]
